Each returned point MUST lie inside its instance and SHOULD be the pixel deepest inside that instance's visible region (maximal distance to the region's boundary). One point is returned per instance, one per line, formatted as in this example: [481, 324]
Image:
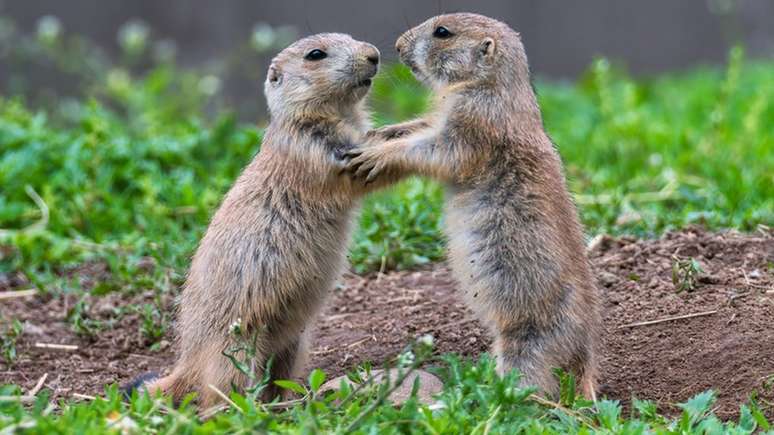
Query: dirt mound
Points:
[728, 347]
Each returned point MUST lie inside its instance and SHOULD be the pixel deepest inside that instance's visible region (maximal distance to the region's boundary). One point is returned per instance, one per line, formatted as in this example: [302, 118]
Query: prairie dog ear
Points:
[275, 75]
[487, 47]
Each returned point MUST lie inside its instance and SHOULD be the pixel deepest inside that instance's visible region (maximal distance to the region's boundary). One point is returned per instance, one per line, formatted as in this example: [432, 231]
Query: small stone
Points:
[104, 307]
[32, 329]
[429, 385]
[707, 279]
[601, 242]
[5, 281]
[607, 279]
[628, 217]
[146, 264]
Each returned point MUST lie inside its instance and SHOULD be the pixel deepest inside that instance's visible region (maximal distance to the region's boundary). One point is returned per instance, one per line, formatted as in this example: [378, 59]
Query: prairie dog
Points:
[278, 241]
[516, 245]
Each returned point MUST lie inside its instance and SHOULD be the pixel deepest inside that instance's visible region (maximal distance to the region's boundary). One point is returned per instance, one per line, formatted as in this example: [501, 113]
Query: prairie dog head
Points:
[463, 47]
[323, 73]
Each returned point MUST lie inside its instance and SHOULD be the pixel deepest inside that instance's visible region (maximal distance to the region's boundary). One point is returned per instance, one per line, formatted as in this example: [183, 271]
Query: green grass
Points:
[130, 172]
[474, 400]
[674, 150]
[142, 178]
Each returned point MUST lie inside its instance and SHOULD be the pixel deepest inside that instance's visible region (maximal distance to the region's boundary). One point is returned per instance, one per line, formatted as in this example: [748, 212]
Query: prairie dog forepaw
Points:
[366, 163]
[387, 133]
[396, 131]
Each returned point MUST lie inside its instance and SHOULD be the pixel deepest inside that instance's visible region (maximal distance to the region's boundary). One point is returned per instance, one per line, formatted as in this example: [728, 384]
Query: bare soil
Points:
[373, 318]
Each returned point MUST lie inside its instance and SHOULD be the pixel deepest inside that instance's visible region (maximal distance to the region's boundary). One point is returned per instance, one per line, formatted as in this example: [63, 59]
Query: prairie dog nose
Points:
[371, 54]
[400, 44]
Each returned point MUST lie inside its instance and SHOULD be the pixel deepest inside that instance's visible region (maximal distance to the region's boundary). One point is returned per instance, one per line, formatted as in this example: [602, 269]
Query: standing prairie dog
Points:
[278, 242]
[516, 245]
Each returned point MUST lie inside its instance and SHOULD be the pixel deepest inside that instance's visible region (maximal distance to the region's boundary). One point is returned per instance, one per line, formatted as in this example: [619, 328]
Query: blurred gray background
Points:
[562, 37]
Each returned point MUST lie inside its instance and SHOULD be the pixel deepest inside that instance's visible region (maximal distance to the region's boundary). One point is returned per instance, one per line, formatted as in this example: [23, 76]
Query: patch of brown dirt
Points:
[373, 318]
[114, 354]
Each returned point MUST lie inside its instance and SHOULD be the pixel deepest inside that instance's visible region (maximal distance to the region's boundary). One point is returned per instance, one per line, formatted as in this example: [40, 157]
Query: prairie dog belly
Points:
[498, 253]
[464, 250]
[269, 265]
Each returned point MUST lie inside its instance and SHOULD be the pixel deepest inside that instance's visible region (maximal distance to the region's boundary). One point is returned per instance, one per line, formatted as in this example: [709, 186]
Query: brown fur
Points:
[278, 242]
[515, 241]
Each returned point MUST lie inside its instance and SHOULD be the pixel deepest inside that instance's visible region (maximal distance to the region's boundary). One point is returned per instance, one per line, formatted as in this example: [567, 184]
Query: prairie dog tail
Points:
[138, 383]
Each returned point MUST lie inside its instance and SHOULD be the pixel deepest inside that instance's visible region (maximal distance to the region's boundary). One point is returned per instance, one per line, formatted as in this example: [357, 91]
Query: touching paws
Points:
[368, 162]
[388, 132]
[396, 131]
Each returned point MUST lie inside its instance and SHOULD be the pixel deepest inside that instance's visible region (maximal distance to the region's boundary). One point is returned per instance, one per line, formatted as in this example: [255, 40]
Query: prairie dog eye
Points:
[442, 32]
[316, 54]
